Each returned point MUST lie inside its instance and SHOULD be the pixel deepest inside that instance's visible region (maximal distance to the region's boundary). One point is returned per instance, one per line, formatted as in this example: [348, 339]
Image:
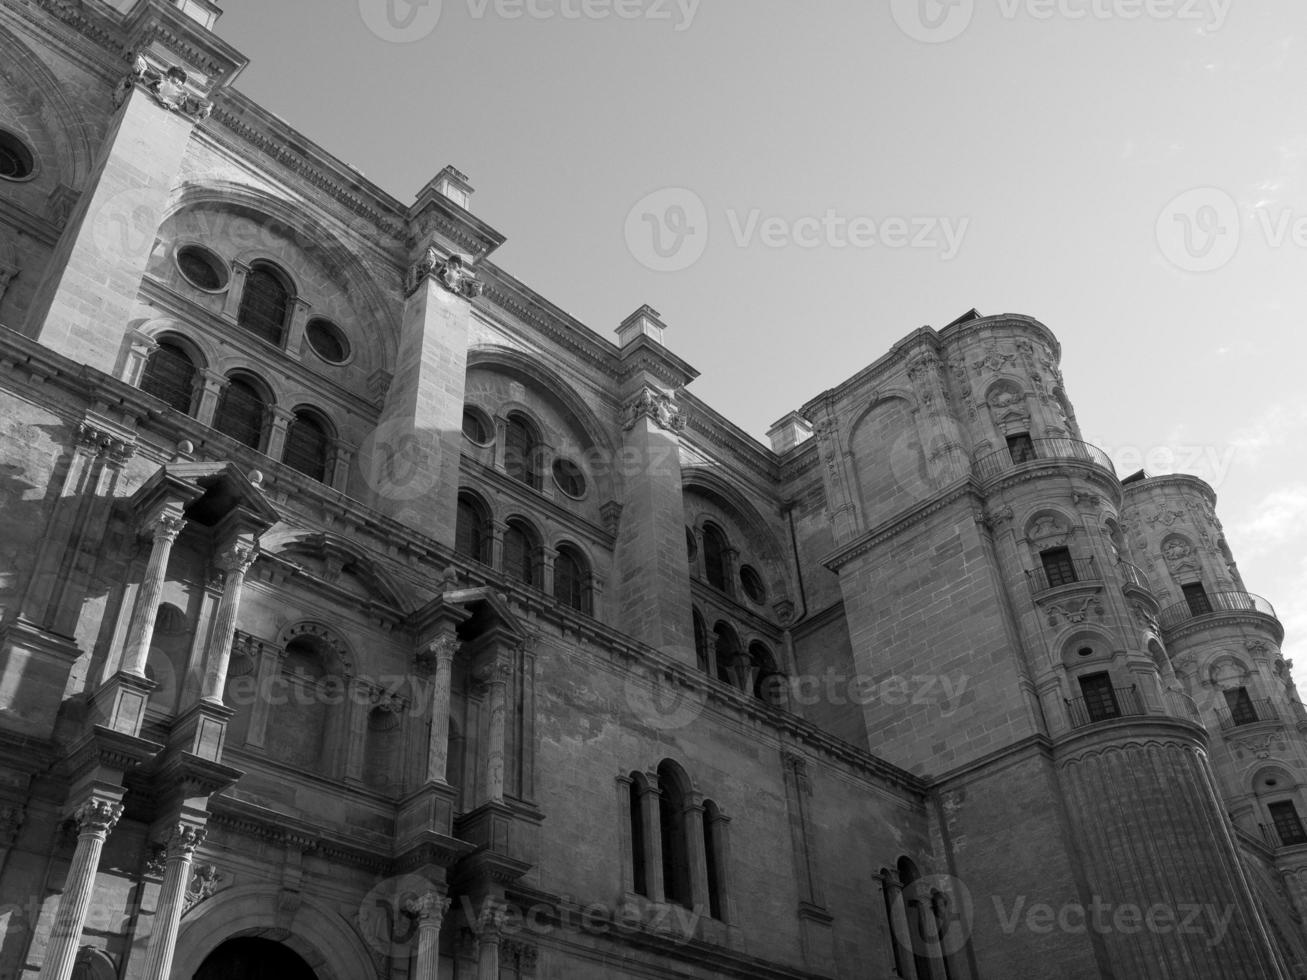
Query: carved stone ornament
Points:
[454, 273]
[168, 88]
[994, 360]
[1166, 517]
[103, 443]
[205, 880]
[1048, 532]
[656, 406]
[1075, 613]
[1259, 746]
[11, 821]
[1179, 554]
[994, 519]
[97, 816]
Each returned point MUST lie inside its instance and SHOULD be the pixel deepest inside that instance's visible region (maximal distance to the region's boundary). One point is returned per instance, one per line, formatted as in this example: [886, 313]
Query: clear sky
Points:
[1130, 172]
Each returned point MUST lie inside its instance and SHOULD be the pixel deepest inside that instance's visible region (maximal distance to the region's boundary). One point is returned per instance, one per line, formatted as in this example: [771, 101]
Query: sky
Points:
[797, 185]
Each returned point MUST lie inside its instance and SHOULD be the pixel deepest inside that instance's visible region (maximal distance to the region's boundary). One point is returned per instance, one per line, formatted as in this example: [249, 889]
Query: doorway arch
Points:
[252, 958]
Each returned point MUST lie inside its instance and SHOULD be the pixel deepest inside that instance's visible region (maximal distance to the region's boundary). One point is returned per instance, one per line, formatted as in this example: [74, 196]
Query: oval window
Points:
[569, 477]
[751, 582]
[475, 427]
[16, 160]
[202, 268]
[327, 341]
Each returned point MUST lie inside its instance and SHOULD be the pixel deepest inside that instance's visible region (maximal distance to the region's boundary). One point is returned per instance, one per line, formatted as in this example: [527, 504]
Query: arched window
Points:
[727, 648]
[673, 791]
[520, 548]
[572, 579]
[16, 160]
[714, 557]
[308, 445]
[700, 642]
[242, 412]
[639, 854]
[522, 451]
[915, 908]
[767, 682]
[714, 852]
[265, 303]
[170, 376]
[472, 532]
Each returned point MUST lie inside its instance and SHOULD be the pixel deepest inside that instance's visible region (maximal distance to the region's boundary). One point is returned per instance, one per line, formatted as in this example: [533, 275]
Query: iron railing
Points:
[1183, 706]
[1260, 709]
[1080, 569]
[992, 464]
[1213, 603]
[1126, 702]
[1135, 575]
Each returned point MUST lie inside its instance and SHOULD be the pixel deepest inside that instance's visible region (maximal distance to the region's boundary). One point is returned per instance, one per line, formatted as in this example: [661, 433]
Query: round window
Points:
[569, 477]
[475, 427]
[202, 268]
[751, 582]
[16, 160]
[327, 341]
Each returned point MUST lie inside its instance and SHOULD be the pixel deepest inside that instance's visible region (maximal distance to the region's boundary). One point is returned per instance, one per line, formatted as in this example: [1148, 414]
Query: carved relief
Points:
[455, 274]
[1179, 554]
[656, 406]
[1047, 531]
[1007, 404]
[1075, 613]
[959, 369]
[205, 881]
[1165, 517]
[1259, 746]
[995, 360]
[168, 88]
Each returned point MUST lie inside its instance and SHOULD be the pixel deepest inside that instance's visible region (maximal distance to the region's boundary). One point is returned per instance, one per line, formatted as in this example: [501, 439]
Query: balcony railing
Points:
[992, 464]
[1126, 703]
[1134, 575]
[1183, 706]
[1251, 713]
[1076, 570]
[1213, 603]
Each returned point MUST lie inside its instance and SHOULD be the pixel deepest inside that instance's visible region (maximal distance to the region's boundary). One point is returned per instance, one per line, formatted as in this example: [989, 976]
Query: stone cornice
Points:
[238, 817]
[861, 545]
[724, 434]
[1173, 481]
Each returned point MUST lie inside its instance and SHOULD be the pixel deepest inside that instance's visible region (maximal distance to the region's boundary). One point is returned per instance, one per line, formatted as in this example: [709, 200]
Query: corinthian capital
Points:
[655, 406]
[428, 908]
[442, 648]
[97, 815]
[185, 839]
[237, 557]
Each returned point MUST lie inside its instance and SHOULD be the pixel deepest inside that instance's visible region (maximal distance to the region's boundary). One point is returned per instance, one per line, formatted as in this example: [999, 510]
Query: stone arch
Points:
[62, 144]
[327, 941]
[1228, 670]
[1049, 527]
[319, 545]
[202, 351]
[325, 638]
[367, 297]
[1008, 399]
[1098, 641]
[1273, 778]
[888, 455]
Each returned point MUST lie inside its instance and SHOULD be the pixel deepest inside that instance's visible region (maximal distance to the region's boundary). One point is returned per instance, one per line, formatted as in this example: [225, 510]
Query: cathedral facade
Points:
[364, 615]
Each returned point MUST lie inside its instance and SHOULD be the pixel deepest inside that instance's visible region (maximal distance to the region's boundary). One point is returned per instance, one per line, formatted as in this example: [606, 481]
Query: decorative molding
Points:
[454, 273]
[1075, 613]
[97, 816]
[168, 88]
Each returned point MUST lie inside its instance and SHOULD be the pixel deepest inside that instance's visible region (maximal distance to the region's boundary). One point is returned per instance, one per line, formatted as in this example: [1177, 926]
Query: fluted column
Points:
[172, 896]
[235, 561]
[650, 796]
[488, 940]
[438, 658]
[696, 855]
[140, 632]
[496, 675]
[95, 819]
[429, 910]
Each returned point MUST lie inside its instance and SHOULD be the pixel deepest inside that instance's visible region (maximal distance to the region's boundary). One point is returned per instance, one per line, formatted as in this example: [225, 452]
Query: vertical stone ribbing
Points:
[172, 896]
[95, 819]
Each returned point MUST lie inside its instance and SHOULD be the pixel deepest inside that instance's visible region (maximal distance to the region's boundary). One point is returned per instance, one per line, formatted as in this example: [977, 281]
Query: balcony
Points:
[1134, 575]
[1250, 713]
[1125, 702]
[992, 464]
[1215, 604]
[1069, 572]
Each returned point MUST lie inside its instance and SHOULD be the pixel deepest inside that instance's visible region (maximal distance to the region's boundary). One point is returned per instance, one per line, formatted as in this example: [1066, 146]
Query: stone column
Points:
[140, 347]
[172, 899]
[488, 940]
[429, 910]
[211, 391]
[496, 676]
[281, 420]
[696, 855]
[653, 838]
[438, 658]
[654, 602]
[95, 819]
[899, 926]
[140, 632]
[299, 318]
[235, 291]
[235, 561]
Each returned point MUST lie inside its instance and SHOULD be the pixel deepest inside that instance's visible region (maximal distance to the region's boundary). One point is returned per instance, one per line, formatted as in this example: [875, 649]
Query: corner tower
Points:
[984, 569]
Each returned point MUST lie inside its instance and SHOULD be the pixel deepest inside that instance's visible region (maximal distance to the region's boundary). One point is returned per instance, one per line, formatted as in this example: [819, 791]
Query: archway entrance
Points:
[254, 959]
